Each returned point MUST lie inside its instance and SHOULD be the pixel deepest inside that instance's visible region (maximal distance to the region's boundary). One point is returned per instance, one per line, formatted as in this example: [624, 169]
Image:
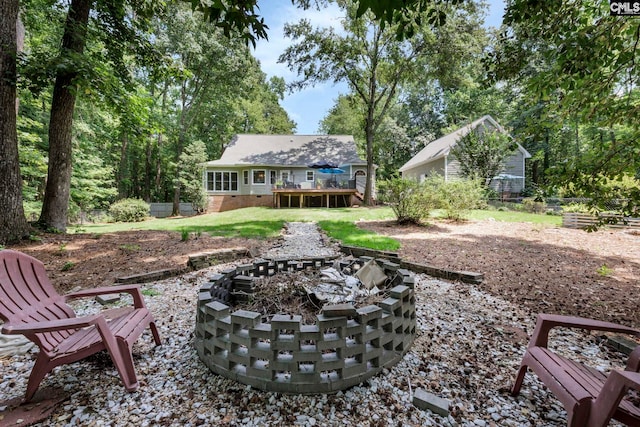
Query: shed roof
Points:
[442, 146]
[288, 150]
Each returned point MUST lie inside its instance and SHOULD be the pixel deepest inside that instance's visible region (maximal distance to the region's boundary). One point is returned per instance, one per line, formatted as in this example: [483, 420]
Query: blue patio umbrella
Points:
[331, 170]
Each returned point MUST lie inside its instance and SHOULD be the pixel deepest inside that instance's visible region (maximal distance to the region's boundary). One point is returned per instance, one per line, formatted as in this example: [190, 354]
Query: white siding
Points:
[434, 167]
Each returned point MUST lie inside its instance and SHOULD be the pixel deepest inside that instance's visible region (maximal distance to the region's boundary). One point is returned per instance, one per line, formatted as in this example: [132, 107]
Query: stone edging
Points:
[463, 276]
[287, 356]
[197, 261]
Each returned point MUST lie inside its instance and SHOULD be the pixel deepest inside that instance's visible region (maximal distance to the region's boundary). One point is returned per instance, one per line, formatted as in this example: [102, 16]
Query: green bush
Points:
[576, 207]
[407, 198]
[129, 210]
[457, 197]
[529, 204]
[32, 210]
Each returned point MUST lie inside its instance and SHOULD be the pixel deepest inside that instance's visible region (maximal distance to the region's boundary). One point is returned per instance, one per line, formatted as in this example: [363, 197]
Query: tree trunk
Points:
[56, 196]
[146, 195]
[13, 224]
[368, 189]
[123, 189]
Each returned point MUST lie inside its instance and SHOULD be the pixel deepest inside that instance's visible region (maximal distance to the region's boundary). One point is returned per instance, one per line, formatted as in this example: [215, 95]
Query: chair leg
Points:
[126, 369]
[39, 371]
[154, 332]
[120, 353]
[515, 390]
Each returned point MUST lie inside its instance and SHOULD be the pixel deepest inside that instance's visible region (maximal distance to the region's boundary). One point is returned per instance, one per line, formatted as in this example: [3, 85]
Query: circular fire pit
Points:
[344, 347]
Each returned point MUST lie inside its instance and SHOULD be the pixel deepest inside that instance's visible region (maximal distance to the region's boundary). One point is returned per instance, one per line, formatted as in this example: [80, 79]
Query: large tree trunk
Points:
[13, 224]
[123, 188]
[56, 196]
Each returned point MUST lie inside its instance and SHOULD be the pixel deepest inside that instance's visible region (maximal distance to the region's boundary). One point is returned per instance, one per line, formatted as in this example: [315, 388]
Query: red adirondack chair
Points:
[29, 305]
[590, 397]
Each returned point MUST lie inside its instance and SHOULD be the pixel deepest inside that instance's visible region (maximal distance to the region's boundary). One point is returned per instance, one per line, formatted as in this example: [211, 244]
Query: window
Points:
[259, 176]
[222, 181]
[245, 177]
[310, 175]
[273, 177]
[284, 176]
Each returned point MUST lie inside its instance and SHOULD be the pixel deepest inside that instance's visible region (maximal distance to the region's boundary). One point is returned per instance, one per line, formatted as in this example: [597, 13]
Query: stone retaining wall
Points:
[288, 356]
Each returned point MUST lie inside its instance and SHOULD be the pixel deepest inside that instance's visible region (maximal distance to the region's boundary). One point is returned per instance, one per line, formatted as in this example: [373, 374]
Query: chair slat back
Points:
[27, 295]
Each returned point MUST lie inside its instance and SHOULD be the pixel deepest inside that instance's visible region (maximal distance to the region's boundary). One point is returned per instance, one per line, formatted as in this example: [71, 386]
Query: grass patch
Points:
[514, 216]
[254, 223]
[263, 223]
[605, 271]
[67, 266]
[150, 292]
[349, 234]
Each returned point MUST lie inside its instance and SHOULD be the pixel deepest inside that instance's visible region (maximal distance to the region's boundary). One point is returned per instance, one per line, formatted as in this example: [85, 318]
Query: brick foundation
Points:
[221, 203]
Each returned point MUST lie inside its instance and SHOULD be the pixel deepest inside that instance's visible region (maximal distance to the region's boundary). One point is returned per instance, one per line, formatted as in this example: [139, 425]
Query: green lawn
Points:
[263, 223]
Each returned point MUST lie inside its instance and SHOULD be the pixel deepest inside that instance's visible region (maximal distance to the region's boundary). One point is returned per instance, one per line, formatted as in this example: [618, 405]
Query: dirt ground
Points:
[546, 269]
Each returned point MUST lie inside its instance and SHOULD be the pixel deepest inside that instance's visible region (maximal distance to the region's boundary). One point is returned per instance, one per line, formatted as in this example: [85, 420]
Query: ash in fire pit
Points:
[352, 339]
[306, 292]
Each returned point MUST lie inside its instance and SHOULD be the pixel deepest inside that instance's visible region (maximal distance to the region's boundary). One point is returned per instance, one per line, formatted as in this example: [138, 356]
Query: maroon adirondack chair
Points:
[590, 397]
[29, 305]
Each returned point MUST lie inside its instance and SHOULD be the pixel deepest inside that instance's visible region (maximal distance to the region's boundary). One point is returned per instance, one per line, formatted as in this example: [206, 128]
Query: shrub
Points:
[408, 199]
[530, 204]
[576, 207]
[456, 197]
[129, 210]
[32, 210]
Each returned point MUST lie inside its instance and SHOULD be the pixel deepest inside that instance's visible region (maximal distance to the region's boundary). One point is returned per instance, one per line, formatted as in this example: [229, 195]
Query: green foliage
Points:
[32, 209]
[577, 68]
[619, 194]
[457, 197]
[413, 201]
[129, 210]
[482, 153]
[67, 266]
[410, 200]
[533, 205]
[184, 235]
[351, 235]
[576, 207]
[605, 271]
[190, 170]
[130, 247]
[150, 292]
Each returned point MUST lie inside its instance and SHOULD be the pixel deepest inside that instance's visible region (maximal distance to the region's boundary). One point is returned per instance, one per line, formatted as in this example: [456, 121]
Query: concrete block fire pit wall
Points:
[287, 356]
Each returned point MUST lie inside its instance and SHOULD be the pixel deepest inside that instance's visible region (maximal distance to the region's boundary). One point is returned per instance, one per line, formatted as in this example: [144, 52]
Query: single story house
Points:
[435, 158]
[285, 170]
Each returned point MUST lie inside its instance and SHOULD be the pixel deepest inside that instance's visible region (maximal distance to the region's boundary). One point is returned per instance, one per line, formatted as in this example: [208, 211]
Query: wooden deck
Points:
[303, 198]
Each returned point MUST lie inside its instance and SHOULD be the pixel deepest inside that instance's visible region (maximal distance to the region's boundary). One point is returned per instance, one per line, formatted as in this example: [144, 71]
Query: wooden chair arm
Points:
[613, 390]
[545, 322]
[50, 325]
[133, 290]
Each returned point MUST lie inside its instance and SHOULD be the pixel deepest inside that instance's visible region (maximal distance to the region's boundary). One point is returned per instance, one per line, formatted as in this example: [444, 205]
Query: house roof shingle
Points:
[442, 146]
[288, 150]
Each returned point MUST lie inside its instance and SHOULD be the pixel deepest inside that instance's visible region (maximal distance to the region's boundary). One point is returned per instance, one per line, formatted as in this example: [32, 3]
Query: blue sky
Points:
[309, 106]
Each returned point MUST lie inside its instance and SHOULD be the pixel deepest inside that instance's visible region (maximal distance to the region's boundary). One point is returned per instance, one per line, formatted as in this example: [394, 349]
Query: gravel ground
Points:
[467, 350]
